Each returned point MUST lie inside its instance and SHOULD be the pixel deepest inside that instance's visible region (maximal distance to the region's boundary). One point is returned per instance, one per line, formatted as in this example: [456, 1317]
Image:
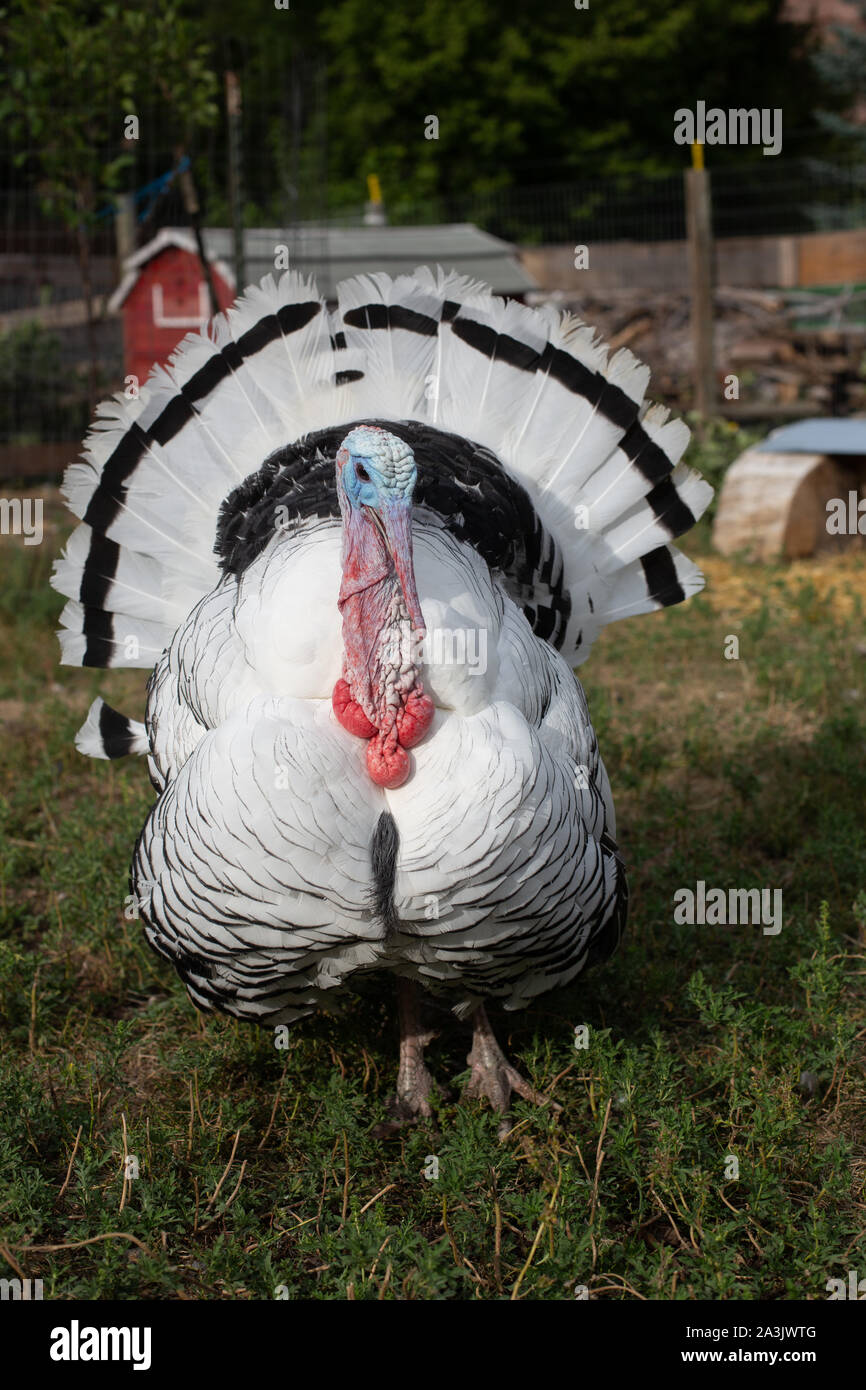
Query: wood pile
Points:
[792, 352]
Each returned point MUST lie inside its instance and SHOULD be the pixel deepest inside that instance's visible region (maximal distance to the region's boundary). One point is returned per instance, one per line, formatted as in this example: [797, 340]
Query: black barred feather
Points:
[511, 488]
[272, 870]
[464, 484]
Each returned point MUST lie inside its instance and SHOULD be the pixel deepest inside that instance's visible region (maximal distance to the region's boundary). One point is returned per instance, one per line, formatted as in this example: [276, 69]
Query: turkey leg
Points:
[414, 1081]
[493, 1075]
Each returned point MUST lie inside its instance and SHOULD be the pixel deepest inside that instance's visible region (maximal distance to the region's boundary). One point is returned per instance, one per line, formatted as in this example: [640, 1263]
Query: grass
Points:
[258, 1173]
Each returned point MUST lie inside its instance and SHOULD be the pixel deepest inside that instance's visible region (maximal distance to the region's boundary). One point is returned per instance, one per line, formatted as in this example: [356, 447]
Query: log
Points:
[759, 350]
[632, 331]
[774, 505]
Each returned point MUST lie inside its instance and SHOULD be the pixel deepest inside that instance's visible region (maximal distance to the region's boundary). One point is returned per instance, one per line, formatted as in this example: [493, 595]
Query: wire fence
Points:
[46, 386]
[777, 198]
[773, 199]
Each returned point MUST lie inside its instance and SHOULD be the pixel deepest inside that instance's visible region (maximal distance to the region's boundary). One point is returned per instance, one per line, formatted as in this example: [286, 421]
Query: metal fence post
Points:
[700, 251]
[233, 113]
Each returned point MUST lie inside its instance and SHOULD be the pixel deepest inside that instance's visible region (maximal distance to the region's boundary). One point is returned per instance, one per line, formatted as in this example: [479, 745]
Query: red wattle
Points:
[349, 712]
[388, 767]
[414, 719]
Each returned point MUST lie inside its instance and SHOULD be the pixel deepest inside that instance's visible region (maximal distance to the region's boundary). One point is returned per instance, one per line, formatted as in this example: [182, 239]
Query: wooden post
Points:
[700, 239]
[374, 212]
[186, 183]
[233, 111]
[124, 228]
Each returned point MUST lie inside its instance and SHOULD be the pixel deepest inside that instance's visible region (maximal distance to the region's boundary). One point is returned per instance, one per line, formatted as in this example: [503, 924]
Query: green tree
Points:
[527, 92]
[842, 64]
[77, 71]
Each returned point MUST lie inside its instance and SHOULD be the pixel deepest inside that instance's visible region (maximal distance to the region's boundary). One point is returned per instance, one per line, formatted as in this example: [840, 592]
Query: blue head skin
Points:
[378, 468]
[376, 476]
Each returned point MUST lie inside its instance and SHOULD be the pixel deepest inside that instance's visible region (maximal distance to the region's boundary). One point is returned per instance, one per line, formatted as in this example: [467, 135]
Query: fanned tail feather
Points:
[107, 734]
[564, 418]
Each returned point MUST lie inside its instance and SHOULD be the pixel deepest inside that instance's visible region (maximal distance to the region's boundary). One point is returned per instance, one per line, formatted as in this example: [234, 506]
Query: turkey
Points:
[362, 552]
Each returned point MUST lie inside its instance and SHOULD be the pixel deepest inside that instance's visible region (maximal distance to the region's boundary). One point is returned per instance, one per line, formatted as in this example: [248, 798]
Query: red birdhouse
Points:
[163, 296]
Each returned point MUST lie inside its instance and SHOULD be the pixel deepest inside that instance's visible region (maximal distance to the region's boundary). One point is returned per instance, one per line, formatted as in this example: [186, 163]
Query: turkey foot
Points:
[493, 1075]
[414, 1082]
[349, 712]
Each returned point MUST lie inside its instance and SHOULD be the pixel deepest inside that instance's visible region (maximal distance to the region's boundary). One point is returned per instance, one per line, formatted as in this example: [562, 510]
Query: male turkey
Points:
[338, 538]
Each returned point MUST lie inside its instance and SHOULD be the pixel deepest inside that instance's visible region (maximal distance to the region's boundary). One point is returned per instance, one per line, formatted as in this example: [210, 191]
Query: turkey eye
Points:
[363, 475]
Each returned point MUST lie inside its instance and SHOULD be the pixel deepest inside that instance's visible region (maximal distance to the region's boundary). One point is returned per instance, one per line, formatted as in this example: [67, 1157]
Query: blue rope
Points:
[155, 188]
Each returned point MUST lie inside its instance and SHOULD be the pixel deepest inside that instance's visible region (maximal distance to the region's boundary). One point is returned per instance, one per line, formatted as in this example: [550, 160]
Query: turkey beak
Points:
[396, 519]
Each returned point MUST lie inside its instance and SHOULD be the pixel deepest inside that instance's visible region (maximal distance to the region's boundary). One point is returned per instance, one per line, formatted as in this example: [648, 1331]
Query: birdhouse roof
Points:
[827, 436]
[181, 238]
[331, 253]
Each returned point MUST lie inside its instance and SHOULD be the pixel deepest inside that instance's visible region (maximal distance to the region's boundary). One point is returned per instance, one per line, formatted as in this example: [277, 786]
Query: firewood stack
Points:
[792, 352]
